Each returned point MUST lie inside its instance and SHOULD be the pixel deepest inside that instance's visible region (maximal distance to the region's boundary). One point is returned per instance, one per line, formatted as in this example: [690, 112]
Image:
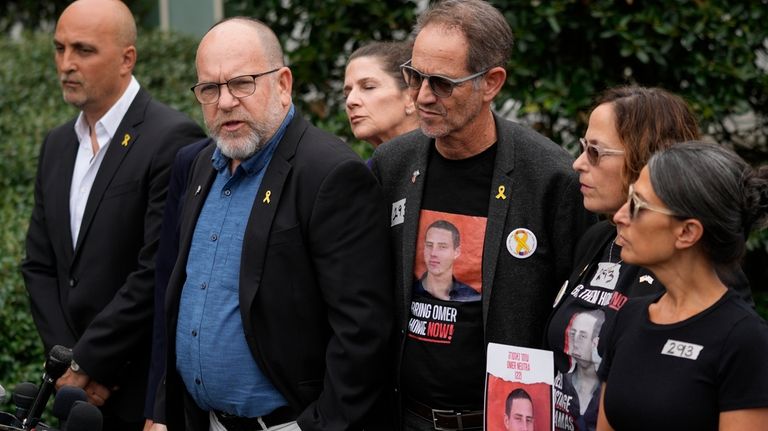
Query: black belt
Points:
[447, 420]
[238, 423]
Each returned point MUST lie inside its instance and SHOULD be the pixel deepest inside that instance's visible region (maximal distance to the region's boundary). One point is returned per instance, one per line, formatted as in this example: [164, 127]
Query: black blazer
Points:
[315, 264]
[97, 297]
[167, 252]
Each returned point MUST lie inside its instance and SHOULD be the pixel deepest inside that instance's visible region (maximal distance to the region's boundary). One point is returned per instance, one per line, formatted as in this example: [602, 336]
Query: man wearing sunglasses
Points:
[501, 181]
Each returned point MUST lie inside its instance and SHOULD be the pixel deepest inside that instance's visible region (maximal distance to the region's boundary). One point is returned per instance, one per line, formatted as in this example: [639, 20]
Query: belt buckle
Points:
[456, 414]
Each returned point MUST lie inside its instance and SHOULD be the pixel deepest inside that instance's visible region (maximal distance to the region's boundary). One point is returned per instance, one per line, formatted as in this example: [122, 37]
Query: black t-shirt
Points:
[459, 186]
[681, 376]
[444, 356]
[573, 335]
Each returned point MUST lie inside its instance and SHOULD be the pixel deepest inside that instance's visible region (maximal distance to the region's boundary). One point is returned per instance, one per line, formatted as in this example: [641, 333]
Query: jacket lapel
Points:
[126, 137]
[201, 179]
[64, 187]
[413, 197]
[501, 197]
[263, 214]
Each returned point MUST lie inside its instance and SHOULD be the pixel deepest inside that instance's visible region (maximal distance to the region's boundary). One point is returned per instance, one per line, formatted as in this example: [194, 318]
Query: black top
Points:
[682, 375]
[597, 288]
[592, 297]
[444, 354]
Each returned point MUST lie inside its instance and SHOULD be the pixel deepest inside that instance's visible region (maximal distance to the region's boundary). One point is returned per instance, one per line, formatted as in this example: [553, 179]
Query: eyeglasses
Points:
[595, 152]
[441, 86]
[636, 204]
[239, 86]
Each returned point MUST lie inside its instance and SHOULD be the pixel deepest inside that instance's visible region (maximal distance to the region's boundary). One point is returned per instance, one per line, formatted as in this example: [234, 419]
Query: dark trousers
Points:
[414, 422]
[114, 423]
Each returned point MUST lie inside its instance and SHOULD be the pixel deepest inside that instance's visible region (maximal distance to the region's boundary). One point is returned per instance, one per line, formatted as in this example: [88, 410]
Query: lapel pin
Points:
[126, 138]
[521, 243]
[266, 196]
[501, 194]
[197, 192]
[416, 173]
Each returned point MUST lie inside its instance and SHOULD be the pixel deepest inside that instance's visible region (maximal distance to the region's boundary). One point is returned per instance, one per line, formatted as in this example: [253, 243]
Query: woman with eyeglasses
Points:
[627, 125]
[695, 356]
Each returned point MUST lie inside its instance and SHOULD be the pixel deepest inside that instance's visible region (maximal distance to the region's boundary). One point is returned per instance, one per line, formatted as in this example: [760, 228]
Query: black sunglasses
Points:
[441, 86]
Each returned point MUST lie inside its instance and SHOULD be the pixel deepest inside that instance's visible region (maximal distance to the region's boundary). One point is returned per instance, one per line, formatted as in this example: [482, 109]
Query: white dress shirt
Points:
[87, 163]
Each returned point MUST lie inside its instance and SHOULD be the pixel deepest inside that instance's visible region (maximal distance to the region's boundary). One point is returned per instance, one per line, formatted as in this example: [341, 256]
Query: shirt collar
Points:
[256, 162]
[112, 119]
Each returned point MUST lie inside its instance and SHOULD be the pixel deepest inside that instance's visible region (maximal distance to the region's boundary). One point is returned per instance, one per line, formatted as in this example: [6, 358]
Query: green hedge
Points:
[566, 51]
[31, 104]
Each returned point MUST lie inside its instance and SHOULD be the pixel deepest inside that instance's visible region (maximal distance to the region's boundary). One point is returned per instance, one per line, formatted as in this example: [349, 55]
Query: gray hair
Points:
[488, 34]
[715, 186]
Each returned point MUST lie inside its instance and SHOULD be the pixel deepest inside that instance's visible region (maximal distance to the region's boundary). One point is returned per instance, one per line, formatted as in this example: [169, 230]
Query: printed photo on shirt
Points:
[448, 259]
[577, 392]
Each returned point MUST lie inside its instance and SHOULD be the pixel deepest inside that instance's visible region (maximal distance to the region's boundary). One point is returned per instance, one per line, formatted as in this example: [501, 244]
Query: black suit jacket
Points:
[167, 252]
[315, 281]
[97, 297]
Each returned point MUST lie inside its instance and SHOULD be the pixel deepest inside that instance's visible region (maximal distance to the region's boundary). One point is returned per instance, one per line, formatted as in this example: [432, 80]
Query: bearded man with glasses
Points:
[509, 190]
[279, 305]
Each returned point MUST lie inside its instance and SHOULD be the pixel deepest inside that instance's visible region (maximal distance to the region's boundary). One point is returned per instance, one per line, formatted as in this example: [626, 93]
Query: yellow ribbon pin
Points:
[126, 138]
[266, 196]
[522, 242]
[501, 194]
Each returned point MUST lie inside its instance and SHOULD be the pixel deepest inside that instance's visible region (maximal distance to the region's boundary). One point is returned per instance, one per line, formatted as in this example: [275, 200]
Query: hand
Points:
[97, 393]
[71, 378]
[148, 425]
[158, 427]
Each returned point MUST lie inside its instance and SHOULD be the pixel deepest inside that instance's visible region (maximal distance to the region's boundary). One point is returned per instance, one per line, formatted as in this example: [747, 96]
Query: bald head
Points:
[95, 54]
[112, 15]
[247, 30]
[245, 54]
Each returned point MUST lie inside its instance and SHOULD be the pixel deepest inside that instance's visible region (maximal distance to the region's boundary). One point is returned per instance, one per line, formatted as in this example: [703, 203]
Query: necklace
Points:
[610, 254]
[607, 273]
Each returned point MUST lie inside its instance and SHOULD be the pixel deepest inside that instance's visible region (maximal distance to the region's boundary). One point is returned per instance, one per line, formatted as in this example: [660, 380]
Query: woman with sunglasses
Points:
[696, 355]
[627, 125]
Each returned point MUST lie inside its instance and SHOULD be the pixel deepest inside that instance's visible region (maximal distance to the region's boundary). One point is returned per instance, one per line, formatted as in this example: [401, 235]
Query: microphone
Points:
[59, 359]
[84, 417]
[65, 399]
[23, 396]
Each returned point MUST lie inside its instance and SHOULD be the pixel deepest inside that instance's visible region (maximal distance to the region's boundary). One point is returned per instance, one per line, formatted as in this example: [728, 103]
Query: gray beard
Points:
[239, 148]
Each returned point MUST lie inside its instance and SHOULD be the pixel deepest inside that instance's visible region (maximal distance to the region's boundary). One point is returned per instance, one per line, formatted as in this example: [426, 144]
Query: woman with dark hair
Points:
[627, 125]
[378, 103]
[696, 355]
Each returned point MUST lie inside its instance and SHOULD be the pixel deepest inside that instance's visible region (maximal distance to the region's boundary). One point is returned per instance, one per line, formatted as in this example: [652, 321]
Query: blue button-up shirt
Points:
[212, 355]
